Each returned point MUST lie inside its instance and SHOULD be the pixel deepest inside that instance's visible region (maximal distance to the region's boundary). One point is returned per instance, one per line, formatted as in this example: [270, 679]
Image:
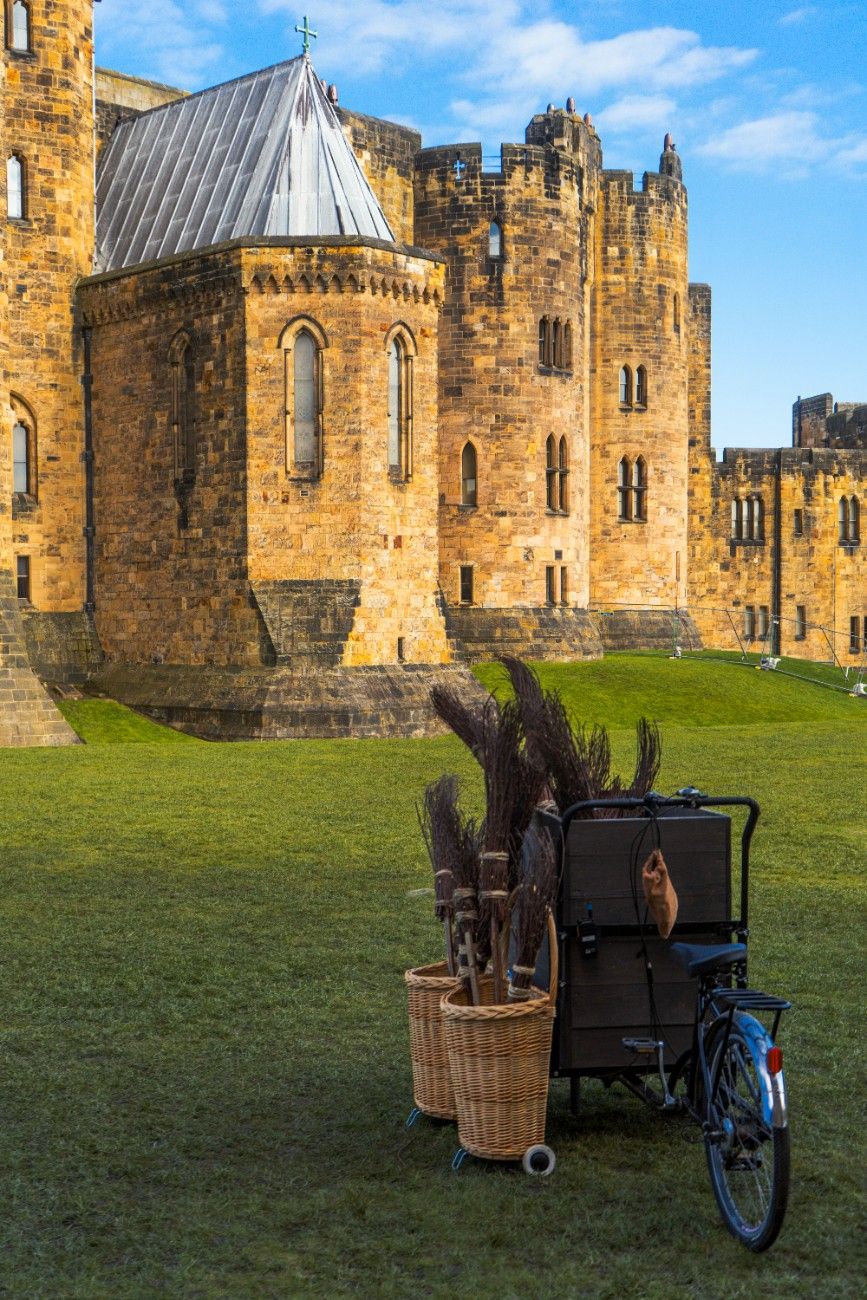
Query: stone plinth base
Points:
[27, 713]
[646, 629]
[284, 703]
[549, 632]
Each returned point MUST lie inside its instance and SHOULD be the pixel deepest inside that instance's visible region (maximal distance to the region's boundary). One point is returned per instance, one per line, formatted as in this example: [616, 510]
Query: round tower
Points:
[639, 390]
[47, 182]
[513, 388]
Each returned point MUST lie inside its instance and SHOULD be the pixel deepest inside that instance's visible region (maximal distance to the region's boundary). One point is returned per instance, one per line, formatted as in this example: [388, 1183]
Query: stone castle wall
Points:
[495, 393]
[799, 561]
[640, 319]
[167, 590]
[47, 121]
[355, 522]
[386, 153]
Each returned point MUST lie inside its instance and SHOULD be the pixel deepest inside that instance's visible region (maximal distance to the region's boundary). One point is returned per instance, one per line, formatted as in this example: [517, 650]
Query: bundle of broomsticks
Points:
[530, 755]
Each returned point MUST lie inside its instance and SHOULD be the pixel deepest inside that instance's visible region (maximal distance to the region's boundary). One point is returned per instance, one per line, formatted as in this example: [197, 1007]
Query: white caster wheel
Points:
[539, 1160]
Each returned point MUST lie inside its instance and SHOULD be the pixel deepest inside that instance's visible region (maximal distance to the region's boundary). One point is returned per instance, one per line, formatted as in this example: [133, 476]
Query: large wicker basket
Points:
[500, 1058]
[431, 1080]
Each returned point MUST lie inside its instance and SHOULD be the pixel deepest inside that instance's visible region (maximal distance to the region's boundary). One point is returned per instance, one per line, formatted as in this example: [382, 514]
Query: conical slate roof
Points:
[263, 155]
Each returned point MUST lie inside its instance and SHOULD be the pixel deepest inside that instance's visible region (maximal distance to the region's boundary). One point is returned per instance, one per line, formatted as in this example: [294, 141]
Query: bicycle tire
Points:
[749, 1172]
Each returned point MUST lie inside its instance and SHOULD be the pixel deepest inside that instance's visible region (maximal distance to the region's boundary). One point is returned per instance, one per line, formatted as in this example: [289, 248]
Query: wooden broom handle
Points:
[553, 959]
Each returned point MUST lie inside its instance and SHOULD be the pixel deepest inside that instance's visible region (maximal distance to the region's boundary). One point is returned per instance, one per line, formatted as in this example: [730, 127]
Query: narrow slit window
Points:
[625, 386]
[676, 313]
[469, 479]
[854, 638]
[641, 386]
[183, 410]
[800, 622]
[304, 404]
[757, 519]
[854, 520]
[21, 458]
[567, 346]
[764, 621]
[842, 520]
[564, 585]
[556, 346]
[749, 623]
[798, 527]
[22, 576]
[495, 240]
[466, 578]
[399, 409]
[551, 584]
[15, 198]
[543, 341]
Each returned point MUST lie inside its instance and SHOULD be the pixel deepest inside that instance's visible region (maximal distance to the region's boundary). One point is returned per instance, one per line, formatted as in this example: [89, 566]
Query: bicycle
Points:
[729, 1080]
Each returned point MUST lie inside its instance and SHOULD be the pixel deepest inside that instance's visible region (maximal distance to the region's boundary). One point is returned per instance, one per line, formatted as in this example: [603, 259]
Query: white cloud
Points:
[175, 39]
[637, 113]
[796, 16]
[792, 140]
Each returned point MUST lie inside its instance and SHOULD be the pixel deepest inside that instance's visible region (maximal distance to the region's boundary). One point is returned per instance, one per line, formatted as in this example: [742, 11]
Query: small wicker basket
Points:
[500, 1058]
[431, 1079]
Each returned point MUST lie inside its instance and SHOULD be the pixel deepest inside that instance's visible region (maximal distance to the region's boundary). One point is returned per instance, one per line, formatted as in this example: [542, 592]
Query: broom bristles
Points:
[538, 896]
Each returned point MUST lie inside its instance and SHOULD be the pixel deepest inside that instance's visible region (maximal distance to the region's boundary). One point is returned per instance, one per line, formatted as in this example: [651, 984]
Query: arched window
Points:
[543, 341]
[15, 188]
[854, 520]
[737, 518]
[563, 470]
[23, 447]
[21, 458]
[625, 386]
[641, 386]
[302, 342]
[676, 313]
[556, 345]
[399, 406]
[567, 346]
[842, 520]
[639, 489]
[757, 518]
[624, 489]
[552, 485]
[469, 480]
[495, 239]
[18, 26]
[183, 378]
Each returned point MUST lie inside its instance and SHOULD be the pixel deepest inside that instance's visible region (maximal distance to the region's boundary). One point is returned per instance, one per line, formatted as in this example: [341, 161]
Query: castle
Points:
[300, 414]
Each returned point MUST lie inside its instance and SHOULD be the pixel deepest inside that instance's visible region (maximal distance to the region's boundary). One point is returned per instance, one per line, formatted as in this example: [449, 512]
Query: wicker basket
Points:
[500, 1057]
[431, 1079]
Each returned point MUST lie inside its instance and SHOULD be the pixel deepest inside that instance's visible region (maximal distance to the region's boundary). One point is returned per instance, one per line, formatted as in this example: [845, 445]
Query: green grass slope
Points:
[105, 722]
[699, 692]
[203, 1044]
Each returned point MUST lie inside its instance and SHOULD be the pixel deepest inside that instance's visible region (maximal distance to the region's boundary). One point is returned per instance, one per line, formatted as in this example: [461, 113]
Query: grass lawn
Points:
[204, 1070]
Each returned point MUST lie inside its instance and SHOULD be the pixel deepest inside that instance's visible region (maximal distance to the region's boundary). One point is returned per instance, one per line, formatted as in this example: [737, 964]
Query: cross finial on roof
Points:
[306, 31]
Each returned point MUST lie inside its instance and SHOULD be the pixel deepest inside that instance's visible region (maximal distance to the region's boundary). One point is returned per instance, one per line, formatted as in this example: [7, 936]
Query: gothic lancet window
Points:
[302, 342]
[495, 240]
[21, 458]
[641, 386]
[469, 481]
[624, 489]
[625, 386]
[639, 490]
[563, 474]
[552, 477]
[16, 205]
[399, 406]
[183, 409]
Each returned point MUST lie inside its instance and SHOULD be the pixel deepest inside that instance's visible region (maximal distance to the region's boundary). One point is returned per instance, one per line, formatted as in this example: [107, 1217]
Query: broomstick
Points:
[537, 897]
[501, 738]
[441, 828]
[466, 872]
[465, 720]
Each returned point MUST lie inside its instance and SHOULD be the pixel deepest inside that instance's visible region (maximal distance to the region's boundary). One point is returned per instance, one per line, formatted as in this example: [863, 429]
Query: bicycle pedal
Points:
[641, 1046]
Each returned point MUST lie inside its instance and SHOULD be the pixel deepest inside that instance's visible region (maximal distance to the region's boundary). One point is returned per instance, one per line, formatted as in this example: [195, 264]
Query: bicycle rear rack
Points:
[752, 1000]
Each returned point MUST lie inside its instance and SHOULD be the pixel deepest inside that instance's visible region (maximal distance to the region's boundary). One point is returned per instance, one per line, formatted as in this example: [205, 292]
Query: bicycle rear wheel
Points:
[749, 1161]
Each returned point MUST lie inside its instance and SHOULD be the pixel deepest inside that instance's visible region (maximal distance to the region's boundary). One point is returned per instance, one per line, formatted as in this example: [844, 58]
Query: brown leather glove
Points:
[659, 893]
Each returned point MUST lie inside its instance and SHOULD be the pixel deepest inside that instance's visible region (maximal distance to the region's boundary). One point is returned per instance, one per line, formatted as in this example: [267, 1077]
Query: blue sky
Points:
[767, 103]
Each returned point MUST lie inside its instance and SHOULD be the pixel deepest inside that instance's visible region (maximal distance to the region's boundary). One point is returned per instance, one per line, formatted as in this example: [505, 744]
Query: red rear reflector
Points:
[775, 1059]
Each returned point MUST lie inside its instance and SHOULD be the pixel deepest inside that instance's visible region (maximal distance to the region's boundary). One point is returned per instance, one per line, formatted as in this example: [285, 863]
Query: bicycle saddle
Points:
[698, 958]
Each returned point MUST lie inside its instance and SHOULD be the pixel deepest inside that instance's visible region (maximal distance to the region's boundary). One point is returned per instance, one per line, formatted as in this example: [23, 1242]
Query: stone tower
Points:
[640, 390]
[46, 135]
[514, 394]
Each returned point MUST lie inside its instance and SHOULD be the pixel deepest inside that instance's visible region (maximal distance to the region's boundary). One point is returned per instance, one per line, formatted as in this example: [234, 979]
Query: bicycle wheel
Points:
[749, 1165]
